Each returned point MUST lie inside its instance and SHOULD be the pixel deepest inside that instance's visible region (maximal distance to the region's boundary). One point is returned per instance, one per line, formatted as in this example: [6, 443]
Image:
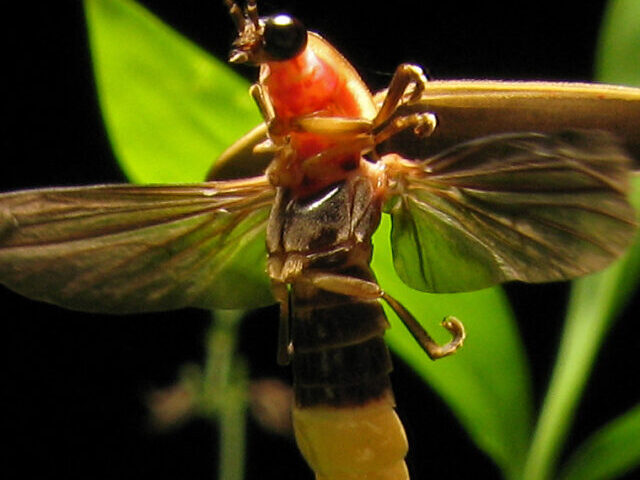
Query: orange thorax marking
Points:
[309, 85]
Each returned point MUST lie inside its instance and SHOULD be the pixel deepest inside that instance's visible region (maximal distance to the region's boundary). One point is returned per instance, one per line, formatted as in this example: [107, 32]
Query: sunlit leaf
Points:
[617, 53]
[170, 108]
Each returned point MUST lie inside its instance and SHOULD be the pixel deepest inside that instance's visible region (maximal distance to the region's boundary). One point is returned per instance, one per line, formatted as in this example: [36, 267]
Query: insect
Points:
[522, 205]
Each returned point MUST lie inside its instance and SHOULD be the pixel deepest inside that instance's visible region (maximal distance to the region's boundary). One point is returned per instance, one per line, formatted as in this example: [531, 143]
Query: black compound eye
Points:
[284, 37]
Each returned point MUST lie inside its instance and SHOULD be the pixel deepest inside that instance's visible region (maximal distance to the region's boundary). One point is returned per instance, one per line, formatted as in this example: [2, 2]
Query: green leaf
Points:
[169, 107]
[618, 53]
[486, 383]
[608, 453]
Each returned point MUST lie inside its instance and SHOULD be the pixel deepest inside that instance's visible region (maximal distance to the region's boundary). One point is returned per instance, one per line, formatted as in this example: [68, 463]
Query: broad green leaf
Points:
[617, 54]
[487, 382]
[610, 452]
[169, 107]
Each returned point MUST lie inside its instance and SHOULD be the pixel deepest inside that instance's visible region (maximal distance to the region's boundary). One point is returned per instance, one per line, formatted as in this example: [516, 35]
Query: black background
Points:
[74, 384]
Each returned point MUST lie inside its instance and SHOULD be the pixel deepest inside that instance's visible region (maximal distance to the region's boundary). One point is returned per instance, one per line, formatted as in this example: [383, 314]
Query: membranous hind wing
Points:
[533, 207]
[127, 248]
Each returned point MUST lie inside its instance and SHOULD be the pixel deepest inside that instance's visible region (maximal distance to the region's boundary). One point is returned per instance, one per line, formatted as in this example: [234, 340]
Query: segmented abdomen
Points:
[344, 420]
[343, 416]
[340, 356]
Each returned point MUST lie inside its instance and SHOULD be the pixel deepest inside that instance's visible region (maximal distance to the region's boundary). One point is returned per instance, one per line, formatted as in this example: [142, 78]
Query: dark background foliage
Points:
[75, 384]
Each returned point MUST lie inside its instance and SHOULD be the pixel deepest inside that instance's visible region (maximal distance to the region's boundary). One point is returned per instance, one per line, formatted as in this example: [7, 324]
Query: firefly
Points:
[485, 182]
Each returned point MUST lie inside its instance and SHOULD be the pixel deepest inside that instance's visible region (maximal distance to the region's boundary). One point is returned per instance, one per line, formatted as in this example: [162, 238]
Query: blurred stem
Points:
[225, 386]
[591, 309]
[233, 442]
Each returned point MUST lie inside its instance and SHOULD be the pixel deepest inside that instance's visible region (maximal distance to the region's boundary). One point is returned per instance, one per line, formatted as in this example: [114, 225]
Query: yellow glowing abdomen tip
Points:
[353, 443]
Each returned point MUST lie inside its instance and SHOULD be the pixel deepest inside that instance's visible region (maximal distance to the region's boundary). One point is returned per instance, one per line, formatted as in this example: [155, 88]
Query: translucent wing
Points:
[524, 206]
[125, 248]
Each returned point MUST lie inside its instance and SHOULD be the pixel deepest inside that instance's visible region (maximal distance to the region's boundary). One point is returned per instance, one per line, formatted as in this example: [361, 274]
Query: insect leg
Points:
[266, 110]
[331, 126]
[405, 76]
[252, 12]
[423, 125]
[315, 165]
[285, 346]
[357, 287]
[236, 14]
[280, 171]
[428, 344]
[345, 285]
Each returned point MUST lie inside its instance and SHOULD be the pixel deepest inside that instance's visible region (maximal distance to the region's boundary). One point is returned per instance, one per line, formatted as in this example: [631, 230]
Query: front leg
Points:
[285, 347]
[314, 123]
[405, 77]
[274, 127]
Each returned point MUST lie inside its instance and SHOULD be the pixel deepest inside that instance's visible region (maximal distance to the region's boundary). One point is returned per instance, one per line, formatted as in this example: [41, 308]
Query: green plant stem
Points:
[589, 316]
[233, 441]
[225, 386]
